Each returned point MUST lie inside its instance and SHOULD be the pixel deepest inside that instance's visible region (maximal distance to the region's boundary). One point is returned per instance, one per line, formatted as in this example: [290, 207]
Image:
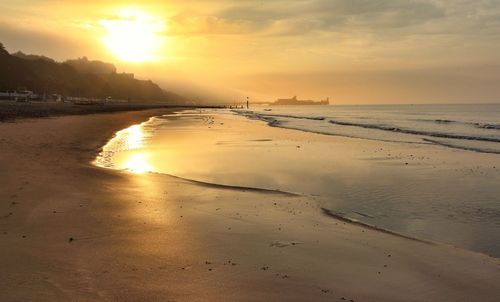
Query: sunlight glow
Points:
[137, 163]
[134, 35]
[133, 137]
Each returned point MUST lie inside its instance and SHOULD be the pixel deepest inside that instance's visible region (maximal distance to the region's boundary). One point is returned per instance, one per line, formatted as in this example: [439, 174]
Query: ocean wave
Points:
[416, 132]
[487, 126]
[462, 147]
[439, 121]
[275, 120]
[267, 115]
[474, 124]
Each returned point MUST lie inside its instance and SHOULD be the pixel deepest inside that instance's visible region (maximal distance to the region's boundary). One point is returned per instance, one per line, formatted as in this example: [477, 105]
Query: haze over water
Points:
[394, 179]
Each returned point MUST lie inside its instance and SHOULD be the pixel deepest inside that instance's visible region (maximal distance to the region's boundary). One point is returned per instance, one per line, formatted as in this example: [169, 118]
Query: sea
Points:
[470, 127]
[447, 190]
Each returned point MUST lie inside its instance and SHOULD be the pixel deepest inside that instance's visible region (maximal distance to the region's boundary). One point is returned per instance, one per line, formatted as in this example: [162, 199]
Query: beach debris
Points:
[282, 244]
[208, 262]
[71, 239]
[278, 244]
[325, 291]
[265, 268]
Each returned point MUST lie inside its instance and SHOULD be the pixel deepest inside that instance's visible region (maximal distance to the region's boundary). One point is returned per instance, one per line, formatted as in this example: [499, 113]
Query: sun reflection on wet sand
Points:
[137, 163]
[128, 144]
[134, 136]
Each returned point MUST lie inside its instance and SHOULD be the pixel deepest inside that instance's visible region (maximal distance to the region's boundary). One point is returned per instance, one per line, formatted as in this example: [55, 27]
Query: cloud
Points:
[302, 16]
[298, 17]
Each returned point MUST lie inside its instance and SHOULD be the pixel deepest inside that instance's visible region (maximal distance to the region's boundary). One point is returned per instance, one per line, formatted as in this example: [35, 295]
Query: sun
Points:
[134, 35]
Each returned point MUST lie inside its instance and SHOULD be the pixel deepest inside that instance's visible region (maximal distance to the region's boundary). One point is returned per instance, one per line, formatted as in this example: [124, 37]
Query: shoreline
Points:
[211, 132]
[147, 237]
[12, 111]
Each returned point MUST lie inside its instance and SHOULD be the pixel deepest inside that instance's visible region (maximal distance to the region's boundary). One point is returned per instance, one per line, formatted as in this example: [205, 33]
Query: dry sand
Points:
[70, 231]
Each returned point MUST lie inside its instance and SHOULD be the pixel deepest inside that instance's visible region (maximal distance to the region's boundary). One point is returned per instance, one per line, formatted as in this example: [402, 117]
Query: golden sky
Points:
[354, 51]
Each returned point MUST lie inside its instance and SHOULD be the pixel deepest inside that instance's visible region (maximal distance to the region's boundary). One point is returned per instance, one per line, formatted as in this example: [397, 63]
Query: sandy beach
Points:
[71, 231]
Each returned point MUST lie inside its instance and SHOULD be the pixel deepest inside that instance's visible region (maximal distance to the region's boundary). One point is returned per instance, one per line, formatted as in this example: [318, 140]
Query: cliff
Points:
[80, 78]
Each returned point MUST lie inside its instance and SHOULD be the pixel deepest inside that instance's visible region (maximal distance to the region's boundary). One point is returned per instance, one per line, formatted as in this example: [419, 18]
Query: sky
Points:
[353, 51]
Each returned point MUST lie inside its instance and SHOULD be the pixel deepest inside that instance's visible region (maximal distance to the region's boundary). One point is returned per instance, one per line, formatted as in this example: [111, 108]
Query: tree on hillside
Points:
[3, 51]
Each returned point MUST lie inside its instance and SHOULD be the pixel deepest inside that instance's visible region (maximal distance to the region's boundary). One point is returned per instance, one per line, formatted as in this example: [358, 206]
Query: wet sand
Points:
[73, 231]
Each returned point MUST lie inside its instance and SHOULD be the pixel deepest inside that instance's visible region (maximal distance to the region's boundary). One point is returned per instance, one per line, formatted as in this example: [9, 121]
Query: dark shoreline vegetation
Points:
[11, 111]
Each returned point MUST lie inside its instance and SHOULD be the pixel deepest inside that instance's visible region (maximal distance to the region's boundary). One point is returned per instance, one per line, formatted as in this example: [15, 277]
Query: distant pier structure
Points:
[295, 101]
